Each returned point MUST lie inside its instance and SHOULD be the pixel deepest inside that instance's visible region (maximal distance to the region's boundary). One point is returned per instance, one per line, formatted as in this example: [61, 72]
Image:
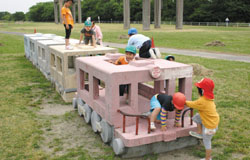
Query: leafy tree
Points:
[42, 12]
[5, 16]
[194, 10]
[18, 16]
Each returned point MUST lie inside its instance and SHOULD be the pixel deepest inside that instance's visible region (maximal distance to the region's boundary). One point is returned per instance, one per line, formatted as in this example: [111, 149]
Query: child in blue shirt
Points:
[142, 43]
[161, 104]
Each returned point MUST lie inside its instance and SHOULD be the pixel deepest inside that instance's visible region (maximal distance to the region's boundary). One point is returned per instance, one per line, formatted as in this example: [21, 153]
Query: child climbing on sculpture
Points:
[170, 58]
[88, 33]
[207, 118]
[98, 33]
[130, 53]
[161, 104]
[142, 43]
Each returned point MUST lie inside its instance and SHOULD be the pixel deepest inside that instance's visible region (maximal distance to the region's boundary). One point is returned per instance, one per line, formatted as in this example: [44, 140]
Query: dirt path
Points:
[67, 131]
[222, 56]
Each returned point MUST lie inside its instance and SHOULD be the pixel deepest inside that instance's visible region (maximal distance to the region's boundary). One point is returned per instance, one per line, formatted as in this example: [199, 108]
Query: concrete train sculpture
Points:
[92, 82]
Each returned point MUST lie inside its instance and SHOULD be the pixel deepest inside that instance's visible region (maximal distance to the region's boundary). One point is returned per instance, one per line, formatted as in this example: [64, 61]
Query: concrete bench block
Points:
[62, 65]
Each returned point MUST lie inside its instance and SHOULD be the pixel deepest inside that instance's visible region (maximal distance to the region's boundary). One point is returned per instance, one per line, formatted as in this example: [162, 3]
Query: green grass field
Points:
[24, 90]
[191, 37]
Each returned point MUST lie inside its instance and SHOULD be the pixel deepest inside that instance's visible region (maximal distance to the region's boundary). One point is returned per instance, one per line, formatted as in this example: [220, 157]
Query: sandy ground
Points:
[67, 130]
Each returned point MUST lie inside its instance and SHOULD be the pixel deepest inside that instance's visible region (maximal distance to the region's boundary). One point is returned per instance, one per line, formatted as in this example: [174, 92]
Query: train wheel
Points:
[80, 101]
[80, 109]
[74, 103]
[95, 121]
[106, 132]
[118, 146]
[87, 113]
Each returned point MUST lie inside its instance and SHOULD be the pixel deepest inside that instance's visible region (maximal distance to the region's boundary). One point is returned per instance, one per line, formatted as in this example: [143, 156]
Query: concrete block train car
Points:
[92, 82]
[47, 52]
[122, 122]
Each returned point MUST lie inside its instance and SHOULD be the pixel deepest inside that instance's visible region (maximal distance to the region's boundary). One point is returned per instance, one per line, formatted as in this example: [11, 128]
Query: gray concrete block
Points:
[159, 147]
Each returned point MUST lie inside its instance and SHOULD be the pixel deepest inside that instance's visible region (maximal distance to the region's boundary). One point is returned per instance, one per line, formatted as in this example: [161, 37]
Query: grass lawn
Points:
[24, 90]
[191, 37]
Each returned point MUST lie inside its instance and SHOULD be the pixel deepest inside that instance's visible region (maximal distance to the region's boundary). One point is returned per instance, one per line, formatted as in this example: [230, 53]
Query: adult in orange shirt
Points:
[68, 21]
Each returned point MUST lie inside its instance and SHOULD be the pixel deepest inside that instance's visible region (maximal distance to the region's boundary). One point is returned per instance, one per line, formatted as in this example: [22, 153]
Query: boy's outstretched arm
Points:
[81, 36]
[194, 104]
[94, 41]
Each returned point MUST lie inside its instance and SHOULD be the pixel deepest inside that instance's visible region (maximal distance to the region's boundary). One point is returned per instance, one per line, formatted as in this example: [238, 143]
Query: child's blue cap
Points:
[131, 49]
[88, 23]
[132, 31]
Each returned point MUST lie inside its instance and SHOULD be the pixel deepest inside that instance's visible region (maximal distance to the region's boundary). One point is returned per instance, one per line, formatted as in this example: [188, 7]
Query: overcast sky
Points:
[13, 6]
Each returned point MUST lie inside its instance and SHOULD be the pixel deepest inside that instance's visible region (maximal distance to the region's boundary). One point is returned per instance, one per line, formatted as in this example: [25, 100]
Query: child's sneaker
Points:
[69, 47]
[152, 126]
[196, 135]
[177, 124]
[146, 114]
[152, 54]
[157, 53]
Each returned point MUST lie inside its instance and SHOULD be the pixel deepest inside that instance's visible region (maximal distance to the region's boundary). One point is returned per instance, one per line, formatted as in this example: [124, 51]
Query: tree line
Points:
[112, 10]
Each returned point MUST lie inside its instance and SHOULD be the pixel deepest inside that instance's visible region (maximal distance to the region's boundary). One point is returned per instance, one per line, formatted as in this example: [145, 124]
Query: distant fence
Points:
[218, 24]
[223, 24]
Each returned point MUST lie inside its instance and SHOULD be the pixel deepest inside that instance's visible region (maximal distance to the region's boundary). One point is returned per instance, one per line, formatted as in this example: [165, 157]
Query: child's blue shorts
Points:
[154, 103]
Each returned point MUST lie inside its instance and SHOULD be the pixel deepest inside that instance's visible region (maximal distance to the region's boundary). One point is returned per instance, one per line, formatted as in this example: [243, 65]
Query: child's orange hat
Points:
[208, 86]
[179, 100]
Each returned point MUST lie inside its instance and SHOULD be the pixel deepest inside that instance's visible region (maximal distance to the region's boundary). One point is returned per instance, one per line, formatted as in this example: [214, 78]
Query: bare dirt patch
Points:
[63, 135]
[237, 156]
[180, 154]
[67, 131]
[199, 70]
[215, 43]
[1, 44]
[55, 109]
[123, 36]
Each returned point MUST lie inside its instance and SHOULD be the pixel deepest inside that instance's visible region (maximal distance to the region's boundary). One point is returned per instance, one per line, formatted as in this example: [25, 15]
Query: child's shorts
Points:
[154, 103]
[87, 40]
[206, 137]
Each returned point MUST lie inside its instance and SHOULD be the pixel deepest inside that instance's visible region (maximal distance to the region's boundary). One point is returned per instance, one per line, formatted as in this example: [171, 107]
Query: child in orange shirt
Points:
[68, 22]
[130, 52]
[207, 119]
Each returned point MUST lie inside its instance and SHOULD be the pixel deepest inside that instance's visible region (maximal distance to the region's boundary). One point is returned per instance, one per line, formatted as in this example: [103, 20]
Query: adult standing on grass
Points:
[68, 22]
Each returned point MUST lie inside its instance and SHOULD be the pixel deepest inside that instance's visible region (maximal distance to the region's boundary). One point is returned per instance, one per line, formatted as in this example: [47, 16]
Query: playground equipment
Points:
[62, 66]
[33, 46]
[44, 55]
[123, 124]
[27, 46]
